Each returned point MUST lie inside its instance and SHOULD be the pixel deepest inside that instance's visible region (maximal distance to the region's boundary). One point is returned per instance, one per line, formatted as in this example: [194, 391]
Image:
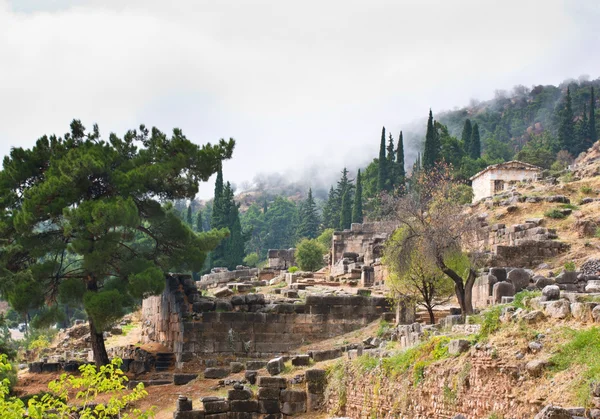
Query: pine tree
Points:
[217, 216]
[330, 210]
[346, 211]
[583, 132]
[189, 219]
[475, 150]
[382, 174]
[400, 172]
[357, 210]
[308, 226]
[80, 220]
[430, 155]
[390, 164]
[592, 119]
[566, 130]
[467, 133]
[199, 226]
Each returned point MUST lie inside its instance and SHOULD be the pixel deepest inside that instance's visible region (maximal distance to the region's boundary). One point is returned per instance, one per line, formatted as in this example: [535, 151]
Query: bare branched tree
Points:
[433, 221]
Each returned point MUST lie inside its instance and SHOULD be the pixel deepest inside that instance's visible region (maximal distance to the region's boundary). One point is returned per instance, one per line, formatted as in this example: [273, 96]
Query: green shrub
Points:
[522, 298]
[570, 266]
[309, 254]
[569, 206]
[582, 349]
[365, 363]
[293, 269]
[586, 189]
[490, 321]
[554, 213]
[384, 328]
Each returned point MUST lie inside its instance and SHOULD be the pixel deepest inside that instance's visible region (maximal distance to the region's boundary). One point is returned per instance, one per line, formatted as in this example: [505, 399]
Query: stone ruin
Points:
[356, 252]
[281, 259]
[251, 325]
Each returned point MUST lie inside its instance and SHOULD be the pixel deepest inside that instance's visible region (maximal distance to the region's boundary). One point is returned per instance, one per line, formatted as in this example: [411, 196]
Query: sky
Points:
[304, 87]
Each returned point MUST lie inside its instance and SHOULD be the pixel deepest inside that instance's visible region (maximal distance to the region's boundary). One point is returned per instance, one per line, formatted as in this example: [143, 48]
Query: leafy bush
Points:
[570, 266]
[586, 189]
[60, 403]
[554, 213]
[252, 259]
[309, 254]
[490, 321]
[293, 269]
[326, 238]
[522, 297]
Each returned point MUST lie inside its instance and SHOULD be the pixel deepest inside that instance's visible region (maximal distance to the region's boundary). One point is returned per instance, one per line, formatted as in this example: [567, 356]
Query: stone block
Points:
[315, 402]
[519, 278]
[181, 379]
[192, 414]
[275, 366]
[269, 406]
[596, 314]
[325, 355]
[268, 393]
[502, 289]
[558, 309]
[184, 404]
[301, 360]
[250, 376]
[223, 306]
[550, 293]
[216, 372]
[292, 396]
[567, 277]
[593, 286]
[499, 273]
[244, 406]
[236, 367]
[222, 292]
[216, 406]
[255, 365]
[239, 394]
[293, 408]
[275, 382]
[553, 412]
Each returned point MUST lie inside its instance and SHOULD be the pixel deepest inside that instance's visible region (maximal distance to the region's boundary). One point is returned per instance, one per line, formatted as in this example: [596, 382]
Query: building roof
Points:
[513, 164]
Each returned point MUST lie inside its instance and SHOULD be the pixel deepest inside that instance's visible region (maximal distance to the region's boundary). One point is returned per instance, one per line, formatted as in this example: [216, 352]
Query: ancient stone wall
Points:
[281, 259]
[248, 325]
[479, 388]
[365, 239]
[224, 276]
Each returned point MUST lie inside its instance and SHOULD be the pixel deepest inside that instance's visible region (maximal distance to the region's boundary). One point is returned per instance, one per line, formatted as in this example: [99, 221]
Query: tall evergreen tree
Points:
[382, 174]
[308, 226]
[265, 206]
[391, 164]
[400, 172]
[431, 153]
[199, 226]
[357, 209]
[217, 216]
[80, 219]
[583, 132]
[235, 242]
[467, 133]
[189, 218]
[475, 150]
[566, 129]
[346, 211]
[592, 119]
[330, 210]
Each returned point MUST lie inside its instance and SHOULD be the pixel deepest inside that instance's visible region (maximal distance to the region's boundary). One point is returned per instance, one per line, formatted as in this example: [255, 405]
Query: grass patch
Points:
[569, 206]
[490, 321]
[583, 350]
[128, 328]
[522, 298]
[555, 214]
[336, 384]
[384, 328]
[365, 363]
[586, 189]
[417, 358]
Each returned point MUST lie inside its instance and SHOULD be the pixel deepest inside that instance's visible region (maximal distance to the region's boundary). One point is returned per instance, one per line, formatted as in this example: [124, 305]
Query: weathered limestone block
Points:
[593, 286]
[502, 289]
[239, 394]
[192, 414]
[550, 293]
[558, 309]
[499, 273]
[519, 278]
[536, 367]
[325, 355]
[567, 277]
[542, 281]
[236, 367]
[553, 412]
[275, 382]
[216, 372]
[249, 406]
[293, 402]
[184, 404]
[275, 366]
[222, 292]
[269, 406]
[216, 406]
[596, 314]
[533, 317]
[301, 360]
[268, 393]
[250, 376]
[582, 311]
[255, 365]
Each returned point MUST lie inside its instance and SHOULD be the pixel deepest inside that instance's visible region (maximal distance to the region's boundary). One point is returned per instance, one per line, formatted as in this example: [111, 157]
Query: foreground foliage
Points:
[109, 381]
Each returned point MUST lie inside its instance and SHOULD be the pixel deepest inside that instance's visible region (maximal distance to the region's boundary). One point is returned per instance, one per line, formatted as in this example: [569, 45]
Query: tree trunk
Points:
[469, 291]
[98, 347]
[96, 336]
[431, 315]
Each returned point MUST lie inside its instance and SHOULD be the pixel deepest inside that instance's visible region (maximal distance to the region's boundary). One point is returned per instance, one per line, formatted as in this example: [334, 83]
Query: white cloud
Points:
[296, 83]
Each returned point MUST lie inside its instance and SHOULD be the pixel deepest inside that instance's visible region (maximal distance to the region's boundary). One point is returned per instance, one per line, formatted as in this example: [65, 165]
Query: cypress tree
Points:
[265, 206]
[309, 218]
[430, 155]
[583, 132]
[382, 174]
[390, 164]
[189, 219]
[217, 216]
[346, 211]
[330, 210]
[357, 210]
[199, 227]
[400, 172]
[592, 119]
[566, 130]
[467, 133]
[475, 150]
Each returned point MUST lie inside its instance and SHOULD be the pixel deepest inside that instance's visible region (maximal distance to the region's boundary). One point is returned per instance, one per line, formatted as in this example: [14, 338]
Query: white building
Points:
[500, 177]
